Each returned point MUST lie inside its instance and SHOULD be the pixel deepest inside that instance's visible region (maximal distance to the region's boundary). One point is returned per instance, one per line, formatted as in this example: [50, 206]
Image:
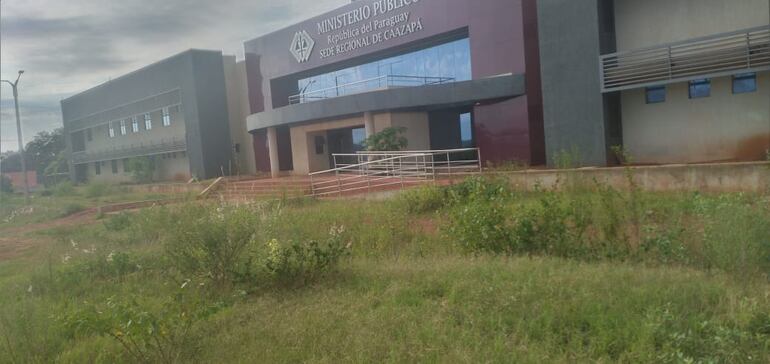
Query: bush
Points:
[118, 222]
[481, 227]
[142, 168]
[389, 139]
[306, 260]
[63, 189]
[480, 188]
[212, 242]
[97, 189]
[71, 209]
[422, 200]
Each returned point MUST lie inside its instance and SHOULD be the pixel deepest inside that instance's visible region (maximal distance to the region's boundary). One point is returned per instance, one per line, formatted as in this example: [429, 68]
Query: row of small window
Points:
[127, 164]
[742, 83]
[123, 124]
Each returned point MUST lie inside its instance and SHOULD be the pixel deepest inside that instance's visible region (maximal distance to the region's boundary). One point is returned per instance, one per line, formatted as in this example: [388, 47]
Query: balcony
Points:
[377, 83]
[130, 151]
[718, 55]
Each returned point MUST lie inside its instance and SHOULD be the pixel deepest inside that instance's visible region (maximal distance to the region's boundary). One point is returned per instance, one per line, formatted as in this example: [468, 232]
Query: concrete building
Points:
[665, 81]
[183, 112]
[676, 81]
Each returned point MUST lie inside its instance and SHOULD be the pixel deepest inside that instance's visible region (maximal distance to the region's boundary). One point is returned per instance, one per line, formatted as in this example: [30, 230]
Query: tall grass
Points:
[471, 272]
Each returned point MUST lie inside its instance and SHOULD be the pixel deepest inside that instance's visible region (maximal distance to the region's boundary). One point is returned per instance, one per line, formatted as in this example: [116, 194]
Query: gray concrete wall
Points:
[652, 22]
[198, 78]
[238, 107]
[724, 177]
[573, 103]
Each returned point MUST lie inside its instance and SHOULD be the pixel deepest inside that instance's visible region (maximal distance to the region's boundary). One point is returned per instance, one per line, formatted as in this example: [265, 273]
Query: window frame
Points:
[134, 124]
[111, 130]
[166, 118]
[147, 121]
[97, 168]
[123, 129]
[695, 83]
[114, 166]
[745, 76]
[650, 91]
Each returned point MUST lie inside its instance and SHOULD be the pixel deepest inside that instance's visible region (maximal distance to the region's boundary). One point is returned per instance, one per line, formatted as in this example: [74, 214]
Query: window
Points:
[656, 94]
[466, 130]
[126, 165]
[744, 83]
[122, 127]
[320, 142]
[147, 122]
[166, 117]
[439, 64]
[98, 168]
[700, 88]
[111, 130]
[359, 136]
[89, 136]
[134, 124]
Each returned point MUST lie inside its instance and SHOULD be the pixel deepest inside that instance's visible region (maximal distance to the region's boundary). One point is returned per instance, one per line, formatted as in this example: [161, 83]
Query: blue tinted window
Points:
[466, 130]
[743, 83]
[656, 94]
[448, 62]
[359, 135]
[700, 88]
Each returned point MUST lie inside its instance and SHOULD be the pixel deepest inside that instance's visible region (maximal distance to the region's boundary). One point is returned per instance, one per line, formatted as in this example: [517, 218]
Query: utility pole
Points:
[15, 86]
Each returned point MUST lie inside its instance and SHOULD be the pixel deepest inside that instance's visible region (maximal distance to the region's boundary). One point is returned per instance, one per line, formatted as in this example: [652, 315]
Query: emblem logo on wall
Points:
[302, 46]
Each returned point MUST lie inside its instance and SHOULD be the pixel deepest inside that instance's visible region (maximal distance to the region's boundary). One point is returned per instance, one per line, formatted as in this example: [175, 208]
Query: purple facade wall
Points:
[503, 39]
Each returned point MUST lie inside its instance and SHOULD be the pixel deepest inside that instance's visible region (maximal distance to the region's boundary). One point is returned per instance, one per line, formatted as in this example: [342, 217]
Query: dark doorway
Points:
[285, 159]
[345, 141]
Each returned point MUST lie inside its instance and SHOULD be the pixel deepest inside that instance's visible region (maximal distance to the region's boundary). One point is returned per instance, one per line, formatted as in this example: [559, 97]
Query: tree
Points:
[44, 149]
[389, 139]
[142, 168]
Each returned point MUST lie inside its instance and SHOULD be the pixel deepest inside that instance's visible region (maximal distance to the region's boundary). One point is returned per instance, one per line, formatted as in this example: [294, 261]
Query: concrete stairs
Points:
[265, 188]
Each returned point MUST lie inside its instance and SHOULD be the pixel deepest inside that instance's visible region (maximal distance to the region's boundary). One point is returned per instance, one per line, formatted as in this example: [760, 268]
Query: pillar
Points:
[369, 123]
[272, 148]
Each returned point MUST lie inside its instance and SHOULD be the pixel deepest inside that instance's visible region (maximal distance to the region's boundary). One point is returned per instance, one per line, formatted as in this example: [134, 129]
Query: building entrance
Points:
[345, 141]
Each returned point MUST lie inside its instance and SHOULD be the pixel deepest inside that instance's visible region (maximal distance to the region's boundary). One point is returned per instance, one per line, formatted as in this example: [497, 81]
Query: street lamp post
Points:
[15, 87]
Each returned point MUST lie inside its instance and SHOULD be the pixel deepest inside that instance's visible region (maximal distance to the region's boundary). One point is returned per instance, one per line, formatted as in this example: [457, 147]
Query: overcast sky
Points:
[67, 46]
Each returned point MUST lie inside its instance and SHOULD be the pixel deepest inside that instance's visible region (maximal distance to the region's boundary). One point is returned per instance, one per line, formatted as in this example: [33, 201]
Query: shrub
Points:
[481, 226]
[389, 139]
[148, 333]
[480, 188]
[71, 209]
[423, 199]
[142, 169]
[212, 243]
[305, 260]
[118, 222]
[97, 189]
[63, 189]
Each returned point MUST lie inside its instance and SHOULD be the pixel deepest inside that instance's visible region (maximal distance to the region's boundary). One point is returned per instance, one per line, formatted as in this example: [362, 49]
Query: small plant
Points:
[97, 189]
[118, 222]
[481, 227]
[567, 159]
[621, 155]
[389, 139]
[422, 200]
[142, 169]
[71, 209]
[63, 189]
[306, 260]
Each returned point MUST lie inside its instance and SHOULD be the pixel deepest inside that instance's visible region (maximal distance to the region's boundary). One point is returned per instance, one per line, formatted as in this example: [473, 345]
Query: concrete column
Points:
[369, 123]
[272, 147]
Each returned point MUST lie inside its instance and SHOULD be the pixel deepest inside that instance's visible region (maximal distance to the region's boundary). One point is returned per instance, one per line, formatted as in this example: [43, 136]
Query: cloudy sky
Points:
[66, 46]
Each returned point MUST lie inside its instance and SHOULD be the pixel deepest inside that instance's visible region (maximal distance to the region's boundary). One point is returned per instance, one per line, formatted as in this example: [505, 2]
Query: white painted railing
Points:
[369, 171]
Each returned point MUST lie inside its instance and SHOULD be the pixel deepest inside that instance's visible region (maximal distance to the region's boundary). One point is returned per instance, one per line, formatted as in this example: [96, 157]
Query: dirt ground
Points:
[15, 242]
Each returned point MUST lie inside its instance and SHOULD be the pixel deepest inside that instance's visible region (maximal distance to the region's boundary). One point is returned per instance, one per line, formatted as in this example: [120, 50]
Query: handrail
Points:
[387, 168]
[389, 81]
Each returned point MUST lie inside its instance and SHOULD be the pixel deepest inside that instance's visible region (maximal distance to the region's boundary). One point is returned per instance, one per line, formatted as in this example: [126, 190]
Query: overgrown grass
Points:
[469, 273]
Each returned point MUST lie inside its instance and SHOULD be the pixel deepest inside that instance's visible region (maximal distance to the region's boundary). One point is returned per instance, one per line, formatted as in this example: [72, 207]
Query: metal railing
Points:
[369, 171]
[130, 151]
[381, 82]
[718, 55]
